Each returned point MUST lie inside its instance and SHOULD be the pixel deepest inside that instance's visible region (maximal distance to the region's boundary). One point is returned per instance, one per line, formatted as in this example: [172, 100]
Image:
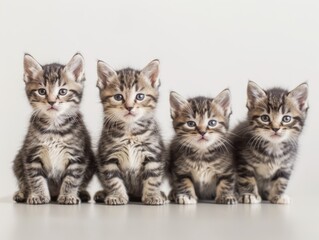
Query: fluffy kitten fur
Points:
[56, 161]
[200, 156]
[266, 143]
[130, 153]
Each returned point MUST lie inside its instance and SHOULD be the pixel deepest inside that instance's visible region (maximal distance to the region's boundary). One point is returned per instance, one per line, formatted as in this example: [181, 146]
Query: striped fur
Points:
[130, 153]
[56, 161]
[266, 143]
[200, 155]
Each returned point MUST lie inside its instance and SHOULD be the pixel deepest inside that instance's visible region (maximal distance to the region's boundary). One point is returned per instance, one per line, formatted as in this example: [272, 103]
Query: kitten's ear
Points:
[254, 94]
[177, 103]
[105, 74]
[31, 68]
[75, 68]
[223, 99]
[300, 96]
[151, 71]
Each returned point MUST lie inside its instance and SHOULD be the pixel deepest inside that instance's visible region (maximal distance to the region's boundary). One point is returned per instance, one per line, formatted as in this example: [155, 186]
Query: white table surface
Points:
[299, 220]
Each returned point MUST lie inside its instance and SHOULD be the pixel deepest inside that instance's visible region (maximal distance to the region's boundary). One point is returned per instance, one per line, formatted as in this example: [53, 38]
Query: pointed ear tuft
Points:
[300, 96]
[151, 72]
[31, 68]
[75, 68]
[223, 99]
[177, 103]
[105, 74]
[254, 94]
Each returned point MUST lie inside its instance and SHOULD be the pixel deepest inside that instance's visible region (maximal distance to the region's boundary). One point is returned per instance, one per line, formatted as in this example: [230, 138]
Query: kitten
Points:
[130, 153]
[56, 161]
[200, 156]
[266, 143]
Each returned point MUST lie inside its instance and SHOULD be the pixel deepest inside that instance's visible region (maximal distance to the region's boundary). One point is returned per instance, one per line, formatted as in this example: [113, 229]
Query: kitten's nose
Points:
[202, 133]
[51, 103]
[129, 108]
[275, 129]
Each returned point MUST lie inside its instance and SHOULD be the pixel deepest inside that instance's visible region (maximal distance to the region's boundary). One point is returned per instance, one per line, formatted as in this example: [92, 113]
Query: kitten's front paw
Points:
[185, 199]
[19, 197]
[249, 198]
[280, 199]
[229, 200]
[116, 199]
[84, 196]
[154, 199]
[69, 199]
[35, 199]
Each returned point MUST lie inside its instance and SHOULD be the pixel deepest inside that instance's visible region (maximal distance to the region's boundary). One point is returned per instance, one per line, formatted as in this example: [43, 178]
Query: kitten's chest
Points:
[53, 155]
[202, 172]
[274, 150]
[204, 178]
[271, 161]
[132, 154]
[266, 170]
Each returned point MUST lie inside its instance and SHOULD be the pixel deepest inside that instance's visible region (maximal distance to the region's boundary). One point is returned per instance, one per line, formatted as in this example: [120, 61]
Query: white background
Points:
[203, 46]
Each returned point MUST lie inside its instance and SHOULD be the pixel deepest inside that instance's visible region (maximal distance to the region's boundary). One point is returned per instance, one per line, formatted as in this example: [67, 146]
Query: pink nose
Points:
[129, 108]
[202, 133]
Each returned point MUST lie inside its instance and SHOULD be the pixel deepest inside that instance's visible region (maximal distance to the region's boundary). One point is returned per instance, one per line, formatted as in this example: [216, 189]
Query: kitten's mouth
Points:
[129, 114]
[275, 135]
[52, 109]
[202, 139]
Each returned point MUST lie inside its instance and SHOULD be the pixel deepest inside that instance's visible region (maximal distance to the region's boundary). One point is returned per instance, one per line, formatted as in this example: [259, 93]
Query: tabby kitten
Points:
[266, 143]
[56, 161]
[200, 156]
[130, 153]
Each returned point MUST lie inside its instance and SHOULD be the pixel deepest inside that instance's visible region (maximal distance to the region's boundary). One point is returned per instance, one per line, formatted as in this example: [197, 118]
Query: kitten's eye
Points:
[286, 119]
[212, 123]
[63, 91]
[42, 91]
[265, 118]
[191, 124]
[140, 96]
[118, 97]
